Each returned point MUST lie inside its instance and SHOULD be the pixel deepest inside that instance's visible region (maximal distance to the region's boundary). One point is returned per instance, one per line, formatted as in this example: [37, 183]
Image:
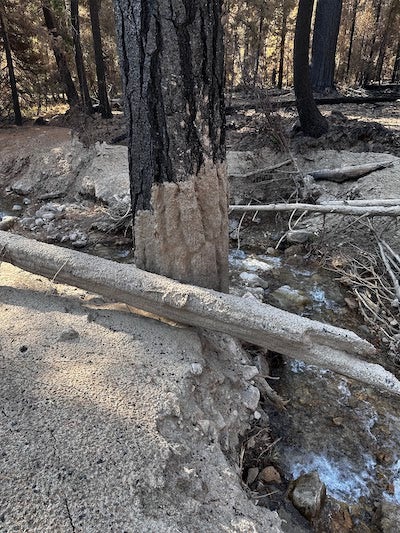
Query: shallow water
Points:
[347, 431]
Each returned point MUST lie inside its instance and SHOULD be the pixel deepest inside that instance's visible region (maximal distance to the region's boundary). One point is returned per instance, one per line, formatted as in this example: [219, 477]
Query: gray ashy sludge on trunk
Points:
[172, 63]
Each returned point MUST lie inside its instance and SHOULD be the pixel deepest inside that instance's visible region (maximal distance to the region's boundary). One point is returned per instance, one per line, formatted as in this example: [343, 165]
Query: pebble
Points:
[251, 397]
[249, 372]
[252, 280]
[7, 222]
[68, 334]
[270, 475]
[308, 494]
[17, 207]
[196, 369]
[252, 475]
[286, 296]
[299, 236]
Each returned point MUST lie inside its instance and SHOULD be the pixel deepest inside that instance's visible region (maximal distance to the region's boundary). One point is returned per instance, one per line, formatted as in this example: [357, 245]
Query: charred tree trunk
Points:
[80, 67]
[61, 58]
[384, 41]
[259, 47]
[311, 120]
[10, 67]
[173, 75]
[396, 66]
[351, 40]
[105, 108]
[282, 43]
[326, 31]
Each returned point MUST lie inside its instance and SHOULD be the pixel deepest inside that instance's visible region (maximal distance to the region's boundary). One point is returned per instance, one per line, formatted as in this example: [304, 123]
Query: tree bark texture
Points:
[60, 56]
[10, 67]
[173, 75]
[311, 120]
[105, 108]
[285, 13]
[396, 66]
[80, 67]
[326, 31]
[351, 39]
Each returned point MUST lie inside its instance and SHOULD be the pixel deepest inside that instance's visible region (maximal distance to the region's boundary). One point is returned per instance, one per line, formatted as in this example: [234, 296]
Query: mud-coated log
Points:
[247, 319]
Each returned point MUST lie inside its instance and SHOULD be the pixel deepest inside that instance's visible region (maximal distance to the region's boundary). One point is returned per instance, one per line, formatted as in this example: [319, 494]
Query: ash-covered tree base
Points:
[185, 234]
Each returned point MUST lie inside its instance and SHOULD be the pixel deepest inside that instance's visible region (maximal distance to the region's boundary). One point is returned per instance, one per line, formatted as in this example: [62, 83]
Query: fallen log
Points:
[349, 210]
[363, 203]
[247, 319]
[275, 104]
[339, 175]
[261, 171]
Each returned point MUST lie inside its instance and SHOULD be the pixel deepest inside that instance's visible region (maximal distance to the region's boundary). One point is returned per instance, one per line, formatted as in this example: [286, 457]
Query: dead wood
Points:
[261, 171]
[242, 104]
[340, 175]
[350, 210]
[263, 325]
[364, 203]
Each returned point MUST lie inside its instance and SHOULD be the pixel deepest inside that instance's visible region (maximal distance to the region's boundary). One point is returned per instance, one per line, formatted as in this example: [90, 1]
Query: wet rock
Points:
[270, 474]
[27, 201]
[251, 397]
[252, 280]
[252, 475]
[7, 222]
[17, 207]
[68, 335]
[335, 518]
[285, 296]
[390, 517]
[295, 249]
[308, 494]
[299, 236]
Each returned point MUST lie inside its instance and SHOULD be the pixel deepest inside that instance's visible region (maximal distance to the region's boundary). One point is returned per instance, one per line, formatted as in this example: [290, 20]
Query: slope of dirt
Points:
[110, 421]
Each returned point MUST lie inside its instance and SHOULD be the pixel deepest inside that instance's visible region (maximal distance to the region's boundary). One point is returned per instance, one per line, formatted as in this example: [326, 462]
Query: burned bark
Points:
[326, 31]
[80, 67]
[60, 56]
[311, 120]
[105, 108]
[10, 67]
[173, 75]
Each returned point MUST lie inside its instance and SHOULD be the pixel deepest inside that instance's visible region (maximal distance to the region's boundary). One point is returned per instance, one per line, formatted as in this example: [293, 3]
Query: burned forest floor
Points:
[66, 183]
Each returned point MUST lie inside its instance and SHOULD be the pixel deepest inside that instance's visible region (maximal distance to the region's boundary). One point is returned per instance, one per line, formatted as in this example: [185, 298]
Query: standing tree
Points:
[80, 67]
[172, 61]
[105, 108]
[10, 66]
[311, 120]
[326, 31]
[59, 54]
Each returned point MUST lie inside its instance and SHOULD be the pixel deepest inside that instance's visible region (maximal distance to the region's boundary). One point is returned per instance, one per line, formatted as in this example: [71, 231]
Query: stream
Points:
[345, 430]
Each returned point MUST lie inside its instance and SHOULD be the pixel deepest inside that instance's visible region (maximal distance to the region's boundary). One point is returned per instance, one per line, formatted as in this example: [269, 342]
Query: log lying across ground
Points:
[333, 209]
[242, 104]
[247, 319]
[352, 172]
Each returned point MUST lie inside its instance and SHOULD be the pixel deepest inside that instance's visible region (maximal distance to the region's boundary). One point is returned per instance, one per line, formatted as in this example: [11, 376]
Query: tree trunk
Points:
[282, 43]
[384, 41]
[173, 76]
[311, 120]
[396, 66]
[351, 41]
[61, 58]
[259, 47]
[326, 31]
[80, 67]
[105, 108]
[10, 66]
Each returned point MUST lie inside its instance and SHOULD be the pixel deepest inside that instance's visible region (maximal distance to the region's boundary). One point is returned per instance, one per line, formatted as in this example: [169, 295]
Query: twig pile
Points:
[373, 279]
